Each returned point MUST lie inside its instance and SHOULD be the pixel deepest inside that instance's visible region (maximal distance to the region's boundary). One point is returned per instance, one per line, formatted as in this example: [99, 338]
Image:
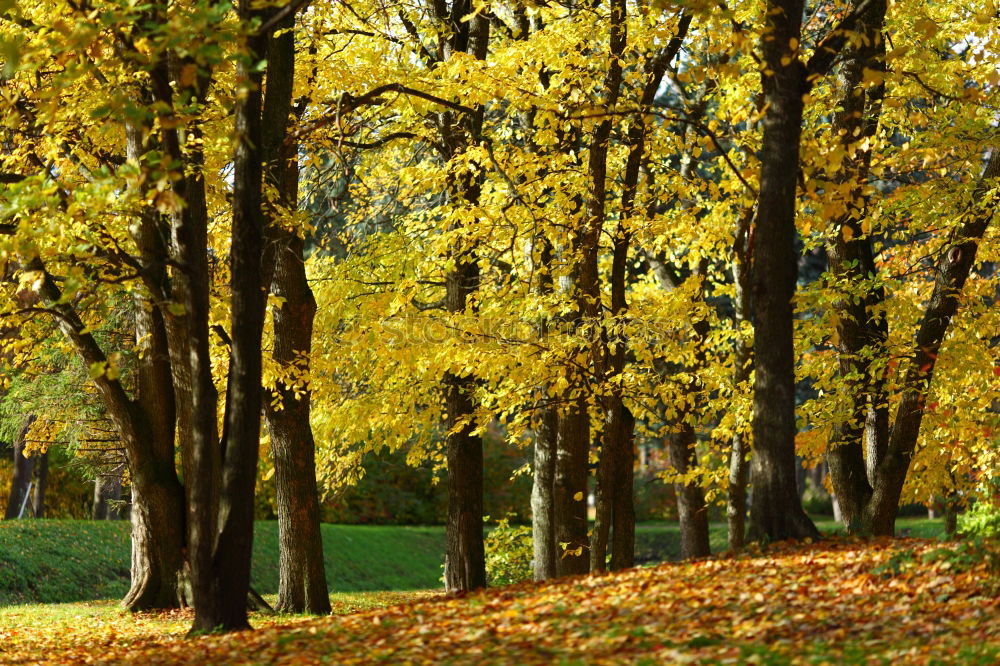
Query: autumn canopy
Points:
[274, 239]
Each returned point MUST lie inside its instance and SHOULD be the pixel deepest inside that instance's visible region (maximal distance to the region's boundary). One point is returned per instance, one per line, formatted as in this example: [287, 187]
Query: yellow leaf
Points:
[927, 27]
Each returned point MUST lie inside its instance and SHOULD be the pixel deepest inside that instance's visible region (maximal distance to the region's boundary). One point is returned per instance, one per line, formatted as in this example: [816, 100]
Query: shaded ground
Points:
[54, 561]
[843, 601]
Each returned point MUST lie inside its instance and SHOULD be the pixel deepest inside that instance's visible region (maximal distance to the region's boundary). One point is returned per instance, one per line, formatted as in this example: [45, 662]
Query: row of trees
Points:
[581, 221]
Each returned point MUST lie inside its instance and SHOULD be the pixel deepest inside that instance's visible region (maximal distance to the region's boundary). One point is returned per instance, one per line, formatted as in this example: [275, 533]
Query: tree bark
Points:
[158, 520]
[465, 558]
[24, 468]
[736, 501]
[691, 508]
[107, 489]
[542, 495]
[302, 582]
[776, 511]
[951, 272]
[587, 286]
[861, 327]
[623, 503]
[41, 484]
[570, 488]
[222, 583]
[302, 586]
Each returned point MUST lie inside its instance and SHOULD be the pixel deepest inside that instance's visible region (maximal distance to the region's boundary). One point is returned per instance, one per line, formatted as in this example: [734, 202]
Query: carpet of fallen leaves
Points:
[842, 601]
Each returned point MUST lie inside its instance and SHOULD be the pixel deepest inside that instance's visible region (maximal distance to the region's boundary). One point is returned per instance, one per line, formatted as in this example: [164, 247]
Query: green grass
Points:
[361, 557]
[659, 541]
[53, 561]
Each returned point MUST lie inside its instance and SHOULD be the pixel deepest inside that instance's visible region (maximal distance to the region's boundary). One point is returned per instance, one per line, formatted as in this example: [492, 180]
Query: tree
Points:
[24, 468]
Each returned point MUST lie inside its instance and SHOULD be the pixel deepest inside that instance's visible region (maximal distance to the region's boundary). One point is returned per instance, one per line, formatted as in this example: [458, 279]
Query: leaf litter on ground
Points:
[837, 601]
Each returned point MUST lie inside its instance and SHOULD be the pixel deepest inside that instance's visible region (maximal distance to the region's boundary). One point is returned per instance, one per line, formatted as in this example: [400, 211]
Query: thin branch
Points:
[279, 16]
[831, 45]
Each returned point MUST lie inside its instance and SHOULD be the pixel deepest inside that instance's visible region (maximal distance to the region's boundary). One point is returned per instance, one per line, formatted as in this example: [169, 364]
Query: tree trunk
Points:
[158, 526]
[41, 482]
[588, 291]
[23, 470]
[623, 503]
[222, 583]
[776, 511]
[691, 508]
[570, 489]
[736, 502]
[187, 327]
[952, 270]
[465, 558]
[159, 537]
[614, 502]
[861, 327]
[542, 495]
[107, 489]
[157, 546]
[302, 583]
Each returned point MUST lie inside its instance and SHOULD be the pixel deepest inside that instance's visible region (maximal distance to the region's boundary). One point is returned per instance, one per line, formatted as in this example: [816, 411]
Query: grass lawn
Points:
[53, 561]
[661, 541]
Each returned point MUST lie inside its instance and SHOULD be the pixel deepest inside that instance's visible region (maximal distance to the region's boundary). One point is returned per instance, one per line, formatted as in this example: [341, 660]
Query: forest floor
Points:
[837, 601]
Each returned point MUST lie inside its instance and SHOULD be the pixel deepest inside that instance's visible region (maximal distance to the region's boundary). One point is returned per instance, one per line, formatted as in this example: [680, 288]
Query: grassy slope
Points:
[55, 561]
[661, 541]
[69, 560]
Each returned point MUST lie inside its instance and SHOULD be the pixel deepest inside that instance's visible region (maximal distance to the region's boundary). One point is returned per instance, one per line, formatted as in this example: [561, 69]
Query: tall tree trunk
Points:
[951, 272]
[736, 501]
[691, 507]
[588, 287]
[776, 511]
[614, 499]
[570, 488]
[158, 520]
[107, 491]
[465, 559]
[187, 326]
[158, 527]
[302, 575]
[24, 467]
[465, 563]
[221, 600]
[302, 583]
[862, 328]
[542, 495]
[623, 503]
[41, 483]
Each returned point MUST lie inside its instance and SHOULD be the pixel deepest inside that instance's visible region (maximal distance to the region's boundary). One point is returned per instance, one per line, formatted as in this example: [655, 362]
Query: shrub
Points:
[654, 499]
[981, 521]
[509, 551]
[816, 500]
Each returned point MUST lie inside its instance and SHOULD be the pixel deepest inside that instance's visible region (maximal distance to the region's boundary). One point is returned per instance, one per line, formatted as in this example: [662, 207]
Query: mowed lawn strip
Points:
[838, 601]
[58, 561]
